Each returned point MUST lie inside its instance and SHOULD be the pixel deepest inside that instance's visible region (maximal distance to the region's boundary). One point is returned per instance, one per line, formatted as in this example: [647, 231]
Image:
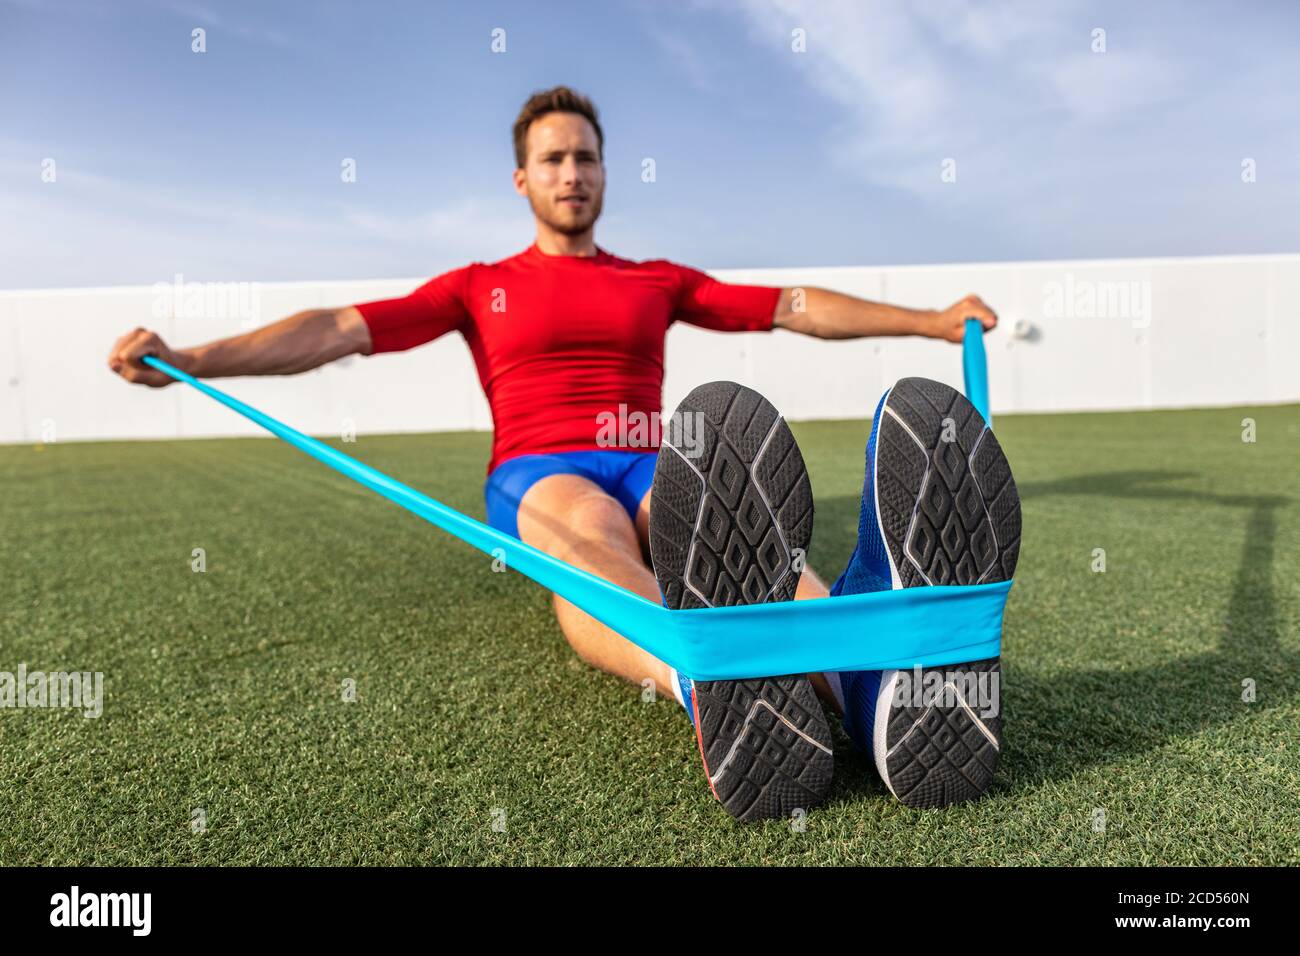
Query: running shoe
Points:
[731, 517]
[939, 506]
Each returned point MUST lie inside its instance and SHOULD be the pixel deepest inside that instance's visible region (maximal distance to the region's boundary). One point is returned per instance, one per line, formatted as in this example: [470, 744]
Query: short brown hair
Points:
[559, 99]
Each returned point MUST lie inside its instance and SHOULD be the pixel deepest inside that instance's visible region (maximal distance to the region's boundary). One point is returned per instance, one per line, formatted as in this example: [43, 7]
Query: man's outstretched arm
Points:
[833, 315]
[299, 343]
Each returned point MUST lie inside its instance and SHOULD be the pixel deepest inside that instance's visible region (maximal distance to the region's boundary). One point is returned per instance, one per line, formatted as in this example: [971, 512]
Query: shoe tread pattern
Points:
[950, 514]
[724, 529]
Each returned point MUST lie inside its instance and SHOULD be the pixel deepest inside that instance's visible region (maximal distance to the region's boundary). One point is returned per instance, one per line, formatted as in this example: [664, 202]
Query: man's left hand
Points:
[950, 324]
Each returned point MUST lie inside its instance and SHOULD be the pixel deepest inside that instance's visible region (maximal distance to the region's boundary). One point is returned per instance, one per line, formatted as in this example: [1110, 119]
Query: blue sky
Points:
[226, 165]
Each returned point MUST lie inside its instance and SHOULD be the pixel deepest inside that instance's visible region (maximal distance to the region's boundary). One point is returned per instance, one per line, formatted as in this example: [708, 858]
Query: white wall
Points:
[1219, 331]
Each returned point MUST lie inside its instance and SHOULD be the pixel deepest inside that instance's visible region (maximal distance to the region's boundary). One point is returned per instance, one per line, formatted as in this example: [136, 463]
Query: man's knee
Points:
[586, 521]
[597, 515]
[594, 524]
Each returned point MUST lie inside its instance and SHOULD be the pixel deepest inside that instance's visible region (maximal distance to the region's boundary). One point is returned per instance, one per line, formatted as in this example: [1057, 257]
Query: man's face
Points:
[563, 178]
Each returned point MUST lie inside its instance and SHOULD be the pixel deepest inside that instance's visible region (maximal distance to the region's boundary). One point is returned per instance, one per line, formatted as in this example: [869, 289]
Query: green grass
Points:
[1122, 690]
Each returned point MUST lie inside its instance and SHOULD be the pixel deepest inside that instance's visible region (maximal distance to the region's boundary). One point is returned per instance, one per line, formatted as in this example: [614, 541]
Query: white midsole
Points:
[880, 719]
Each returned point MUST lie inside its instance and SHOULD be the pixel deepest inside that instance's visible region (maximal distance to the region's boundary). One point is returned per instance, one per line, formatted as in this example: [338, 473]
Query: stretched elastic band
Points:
[975, 369]
[925, 627]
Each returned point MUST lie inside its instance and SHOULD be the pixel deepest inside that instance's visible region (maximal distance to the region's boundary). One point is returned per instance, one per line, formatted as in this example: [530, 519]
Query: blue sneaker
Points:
[939, 506]
[731, 509]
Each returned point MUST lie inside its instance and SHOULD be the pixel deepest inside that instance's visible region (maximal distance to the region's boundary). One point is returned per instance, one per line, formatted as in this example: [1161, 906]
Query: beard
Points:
[565, 221]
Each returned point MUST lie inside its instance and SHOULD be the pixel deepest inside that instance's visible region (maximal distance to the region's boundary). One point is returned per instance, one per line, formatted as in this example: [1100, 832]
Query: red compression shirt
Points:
[558, 340]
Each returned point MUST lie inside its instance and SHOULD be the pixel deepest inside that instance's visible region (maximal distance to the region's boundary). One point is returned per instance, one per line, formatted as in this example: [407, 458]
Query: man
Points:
[563, 335]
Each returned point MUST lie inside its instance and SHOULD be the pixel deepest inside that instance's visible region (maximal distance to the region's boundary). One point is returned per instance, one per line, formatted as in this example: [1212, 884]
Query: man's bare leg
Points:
[572, 519]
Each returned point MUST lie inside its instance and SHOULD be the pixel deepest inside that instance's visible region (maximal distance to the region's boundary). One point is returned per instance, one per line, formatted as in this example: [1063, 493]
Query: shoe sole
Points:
[730, 513]
[949, 513]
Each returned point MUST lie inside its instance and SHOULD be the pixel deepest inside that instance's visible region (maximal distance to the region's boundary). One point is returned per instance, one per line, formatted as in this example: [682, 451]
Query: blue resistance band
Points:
[975, 369]
[913, 627]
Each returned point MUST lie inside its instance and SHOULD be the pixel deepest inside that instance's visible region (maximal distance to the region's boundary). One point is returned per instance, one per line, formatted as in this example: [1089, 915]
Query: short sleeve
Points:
[723, 306]
[434, 309]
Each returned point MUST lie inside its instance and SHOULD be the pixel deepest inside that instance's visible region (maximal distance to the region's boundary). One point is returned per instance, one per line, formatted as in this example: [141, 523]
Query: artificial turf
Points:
[476, 736]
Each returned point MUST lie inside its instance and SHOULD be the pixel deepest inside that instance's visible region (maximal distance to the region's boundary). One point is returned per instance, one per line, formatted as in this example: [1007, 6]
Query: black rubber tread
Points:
[950, 514]
[731, 506]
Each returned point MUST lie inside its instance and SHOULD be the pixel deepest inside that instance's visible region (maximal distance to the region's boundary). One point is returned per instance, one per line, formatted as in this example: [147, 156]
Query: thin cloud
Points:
[144, 230]
[239, 27]
[476, 227]
[914, 80]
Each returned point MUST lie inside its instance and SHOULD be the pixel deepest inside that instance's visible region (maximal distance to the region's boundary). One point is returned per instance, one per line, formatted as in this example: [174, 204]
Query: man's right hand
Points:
[127, 353]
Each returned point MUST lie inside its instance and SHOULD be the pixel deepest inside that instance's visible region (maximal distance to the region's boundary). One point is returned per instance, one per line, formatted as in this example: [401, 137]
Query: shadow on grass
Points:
[1059, 724]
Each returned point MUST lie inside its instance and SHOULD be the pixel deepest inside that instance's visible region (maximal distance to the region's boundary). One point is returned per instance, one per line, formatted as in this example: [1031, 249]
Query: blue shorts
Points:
[623, 475]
